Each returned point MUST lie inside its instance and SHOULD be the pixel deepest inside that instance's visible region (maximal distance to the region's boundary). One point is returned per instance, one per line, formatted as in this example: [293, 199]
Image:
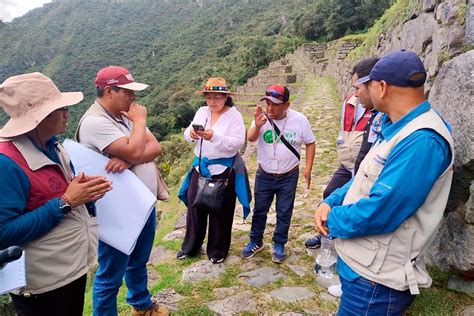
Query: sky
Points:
[10, 9]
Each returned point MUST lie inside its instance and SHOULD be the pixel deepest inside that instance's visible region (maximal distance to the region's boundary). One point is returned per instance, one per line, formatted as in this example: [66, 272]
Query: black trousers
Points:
[220, 221]
[67, 300]
[339, 178]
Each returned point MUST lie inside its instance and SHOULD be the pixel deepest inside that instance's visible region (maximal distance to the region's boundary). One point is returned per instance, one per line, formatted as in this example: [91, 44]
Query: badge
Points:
[274, 164]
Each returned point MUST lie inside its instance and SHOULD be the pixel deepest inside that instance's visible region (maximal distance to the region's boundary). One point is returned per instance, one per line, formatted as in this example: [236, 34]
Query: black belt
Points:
[279, 175]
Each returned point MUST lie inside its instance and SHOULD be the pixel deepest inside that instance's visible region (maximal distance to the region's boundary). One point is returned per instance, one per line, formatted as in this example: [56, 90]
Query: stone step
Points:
[275, 71]
[260, 88]
[249, 97]
[281, 79]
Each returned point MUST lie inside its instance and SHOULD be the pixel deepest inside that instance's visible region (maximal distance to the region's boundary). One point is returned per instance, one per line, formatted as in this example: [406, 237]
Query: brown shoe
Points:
[154, 310]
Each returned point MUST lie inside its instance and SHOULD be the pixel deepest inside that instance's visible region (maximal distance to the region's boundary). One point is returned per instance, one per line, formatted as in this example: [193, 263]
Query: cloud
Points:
[10, 9]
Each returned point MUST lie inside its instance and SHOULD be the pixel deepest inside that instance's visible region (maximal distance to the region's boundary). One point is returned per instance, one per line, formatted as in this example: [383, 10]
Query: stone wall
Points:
[441, 32]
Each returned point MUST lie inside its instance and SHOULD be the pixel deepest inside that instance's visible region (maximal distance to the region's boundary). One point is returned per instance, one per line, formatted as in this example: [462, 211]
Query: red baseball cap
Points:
[115, 76]
[277, 94]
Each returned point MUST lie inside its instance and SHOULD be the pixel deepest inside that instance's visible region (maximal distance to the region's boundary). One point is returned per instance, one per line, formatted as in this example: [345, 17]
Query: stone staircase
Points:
[311, 58]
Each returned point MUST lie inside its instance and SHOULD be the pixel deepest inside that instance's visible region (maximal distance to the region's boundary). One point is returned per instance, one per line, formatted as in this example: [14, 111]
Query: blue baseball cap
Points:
[396, 69]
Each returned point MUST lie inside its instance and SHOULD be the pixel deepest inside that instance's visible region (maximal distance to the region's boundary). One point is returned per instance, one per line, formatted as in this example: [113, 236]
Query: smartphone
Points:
[198, 127]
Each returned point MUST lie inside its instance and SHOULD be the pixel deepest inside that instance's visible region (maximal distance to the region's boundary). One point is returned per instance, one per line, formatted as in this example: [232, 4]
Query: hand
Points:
[136, 113]
[193, 134]
[321, 217]
[207, 134]
[259, 117]
[307, 176]
[117, 165]
[83, 189]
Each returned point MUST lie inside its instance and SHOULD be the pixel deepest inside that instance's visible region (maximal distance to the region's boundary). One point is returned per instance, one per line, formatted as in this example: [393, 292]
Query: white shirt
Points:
[296, 129]
[228, 138]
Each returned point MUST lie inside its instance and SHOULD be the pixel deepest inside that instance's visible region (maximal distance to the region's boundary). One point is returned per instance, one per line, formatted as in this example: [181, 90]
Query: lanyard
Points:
[277, 139]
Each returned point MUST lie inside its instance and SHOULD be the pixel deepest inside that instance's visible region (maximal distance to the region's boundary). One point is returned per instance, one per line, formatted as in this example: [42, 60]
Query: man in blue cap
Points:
[386, 215]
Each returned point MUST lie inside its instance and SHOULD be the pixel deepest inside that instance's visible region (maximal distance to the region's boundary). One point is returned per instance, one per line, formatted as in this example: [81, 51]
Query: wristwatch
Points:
[64, 206]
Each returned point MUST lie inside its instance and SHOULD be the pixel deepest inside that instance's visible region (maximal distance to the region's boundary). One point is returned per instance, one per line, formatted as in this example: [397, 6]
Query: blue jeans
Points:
[364, 297]
[266, 187]
[114, 265]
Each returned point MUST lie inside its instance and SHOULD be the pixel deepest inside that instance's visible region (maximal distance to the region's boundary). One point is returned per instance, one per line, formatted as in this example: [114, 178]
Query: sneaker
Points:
[216, 260]
[155, 310]
[251, 249]
[279, 254]
[335, 290]
[313, 243]
[181, 255]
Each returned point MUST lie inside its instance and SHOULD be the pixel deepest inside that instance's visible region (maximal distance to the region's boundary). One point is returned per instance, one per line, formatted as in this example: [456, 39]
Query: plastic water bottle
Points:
[326, 258]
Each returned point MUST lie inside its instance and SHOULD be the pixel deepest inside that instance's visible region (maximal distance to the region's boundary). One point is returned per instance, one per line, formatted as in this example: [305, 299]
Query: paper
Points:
[124, 210]
[13, 276]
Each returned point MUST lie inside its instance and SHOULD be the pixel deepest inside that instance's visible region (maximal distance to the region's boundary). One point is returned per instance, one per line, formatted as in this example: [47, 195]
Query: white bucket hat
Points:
[28, 99]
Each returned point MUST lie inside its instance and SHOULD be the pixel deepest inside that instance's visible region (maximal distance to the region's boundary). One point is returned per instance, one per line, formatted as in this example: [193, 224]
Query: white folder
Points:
[124, 210]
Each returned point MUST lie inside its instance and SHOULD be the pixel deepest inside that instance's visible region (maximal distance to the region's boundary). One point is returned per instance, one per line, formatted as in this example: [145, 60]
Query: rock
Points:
[453, 246]
[223, 292]
[160, 254]
[169, 297]
[452, 96]
[418, 33]
[291, 294]
[327, 297]
[262, 276]
[469, 210]
[174, 235]
[461, 285]
[233, 259]
[448, 11]
[305, 236]
[455, 37]
[299, 270]
[325, 283]
[429, 5]
[271, 219]
[181, 223]
[234, 305]
[202, 270]
[313, 312]
[470, 24]
[468, 311]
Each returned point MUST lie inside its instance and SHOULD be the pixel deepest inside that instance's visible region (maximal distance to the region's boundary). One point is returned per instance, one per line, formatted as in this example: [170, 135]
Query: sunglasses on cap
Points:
[272, 93]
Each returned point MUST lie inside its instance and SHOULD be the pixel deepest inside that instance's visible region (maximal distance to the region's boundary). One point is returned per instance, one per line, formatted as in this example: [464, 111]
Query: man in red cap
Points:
[279, 133]
[115, 126]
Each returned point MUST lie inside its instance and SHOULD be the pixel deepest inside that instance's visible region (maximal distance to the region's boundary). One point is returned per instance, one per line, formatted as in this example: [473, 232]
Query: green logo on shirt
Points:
[268, 136]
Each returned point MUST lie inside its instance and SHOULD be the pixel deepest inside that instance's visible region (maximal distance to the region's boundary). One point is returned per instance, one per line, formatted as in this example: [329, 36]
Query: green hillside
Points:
[171, 45]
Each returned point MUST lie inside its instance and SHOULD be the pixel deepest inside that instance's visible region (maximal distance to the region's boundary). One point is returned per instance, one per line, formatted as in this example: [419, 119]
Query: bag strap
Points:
[283, 139]
[200, 151]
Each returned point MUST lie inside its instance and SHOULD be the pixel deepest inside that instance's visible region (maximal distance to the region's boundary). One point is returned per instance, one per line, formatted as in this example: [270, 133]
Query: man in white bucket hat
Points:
[43, 207]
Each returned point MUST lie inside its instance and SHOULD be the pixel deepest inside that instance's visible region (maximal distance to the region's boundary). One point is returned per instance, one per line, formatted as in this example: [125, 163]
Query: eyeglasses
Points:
[214, 98]
[272, 93]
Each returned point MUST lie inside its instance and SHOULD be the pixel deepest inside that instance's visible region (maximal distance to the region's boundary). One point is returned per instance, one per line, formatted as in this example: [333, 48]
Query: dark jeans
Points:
[66, 300]
[339, 178]
[220, 221]
[364, 297]
[266, 187]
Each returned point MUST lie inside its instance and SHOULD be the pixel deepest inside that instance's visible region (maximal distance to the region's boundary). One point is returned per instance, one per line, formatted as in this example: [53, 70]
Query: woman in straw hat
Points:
[218, 133]
[43, 207]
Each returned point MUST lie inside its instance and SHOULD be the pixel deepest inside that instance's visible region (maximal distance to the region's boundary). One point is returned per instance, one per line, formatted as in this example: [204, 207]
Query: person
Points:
[43, 207]
[386, 215]
[279, 132]
[115, 126]
[364, 107]
[218, 132]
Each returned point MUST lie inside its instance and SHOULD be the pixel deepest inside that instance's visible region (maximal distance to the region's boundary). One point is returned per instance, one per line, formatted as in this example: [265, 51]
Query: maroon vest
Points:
[46, 183]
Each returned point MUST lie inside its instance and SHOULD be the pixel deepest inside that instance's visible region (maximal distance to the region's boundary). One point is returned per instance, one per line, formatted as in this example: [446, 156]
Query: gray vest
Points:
[395, 259]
